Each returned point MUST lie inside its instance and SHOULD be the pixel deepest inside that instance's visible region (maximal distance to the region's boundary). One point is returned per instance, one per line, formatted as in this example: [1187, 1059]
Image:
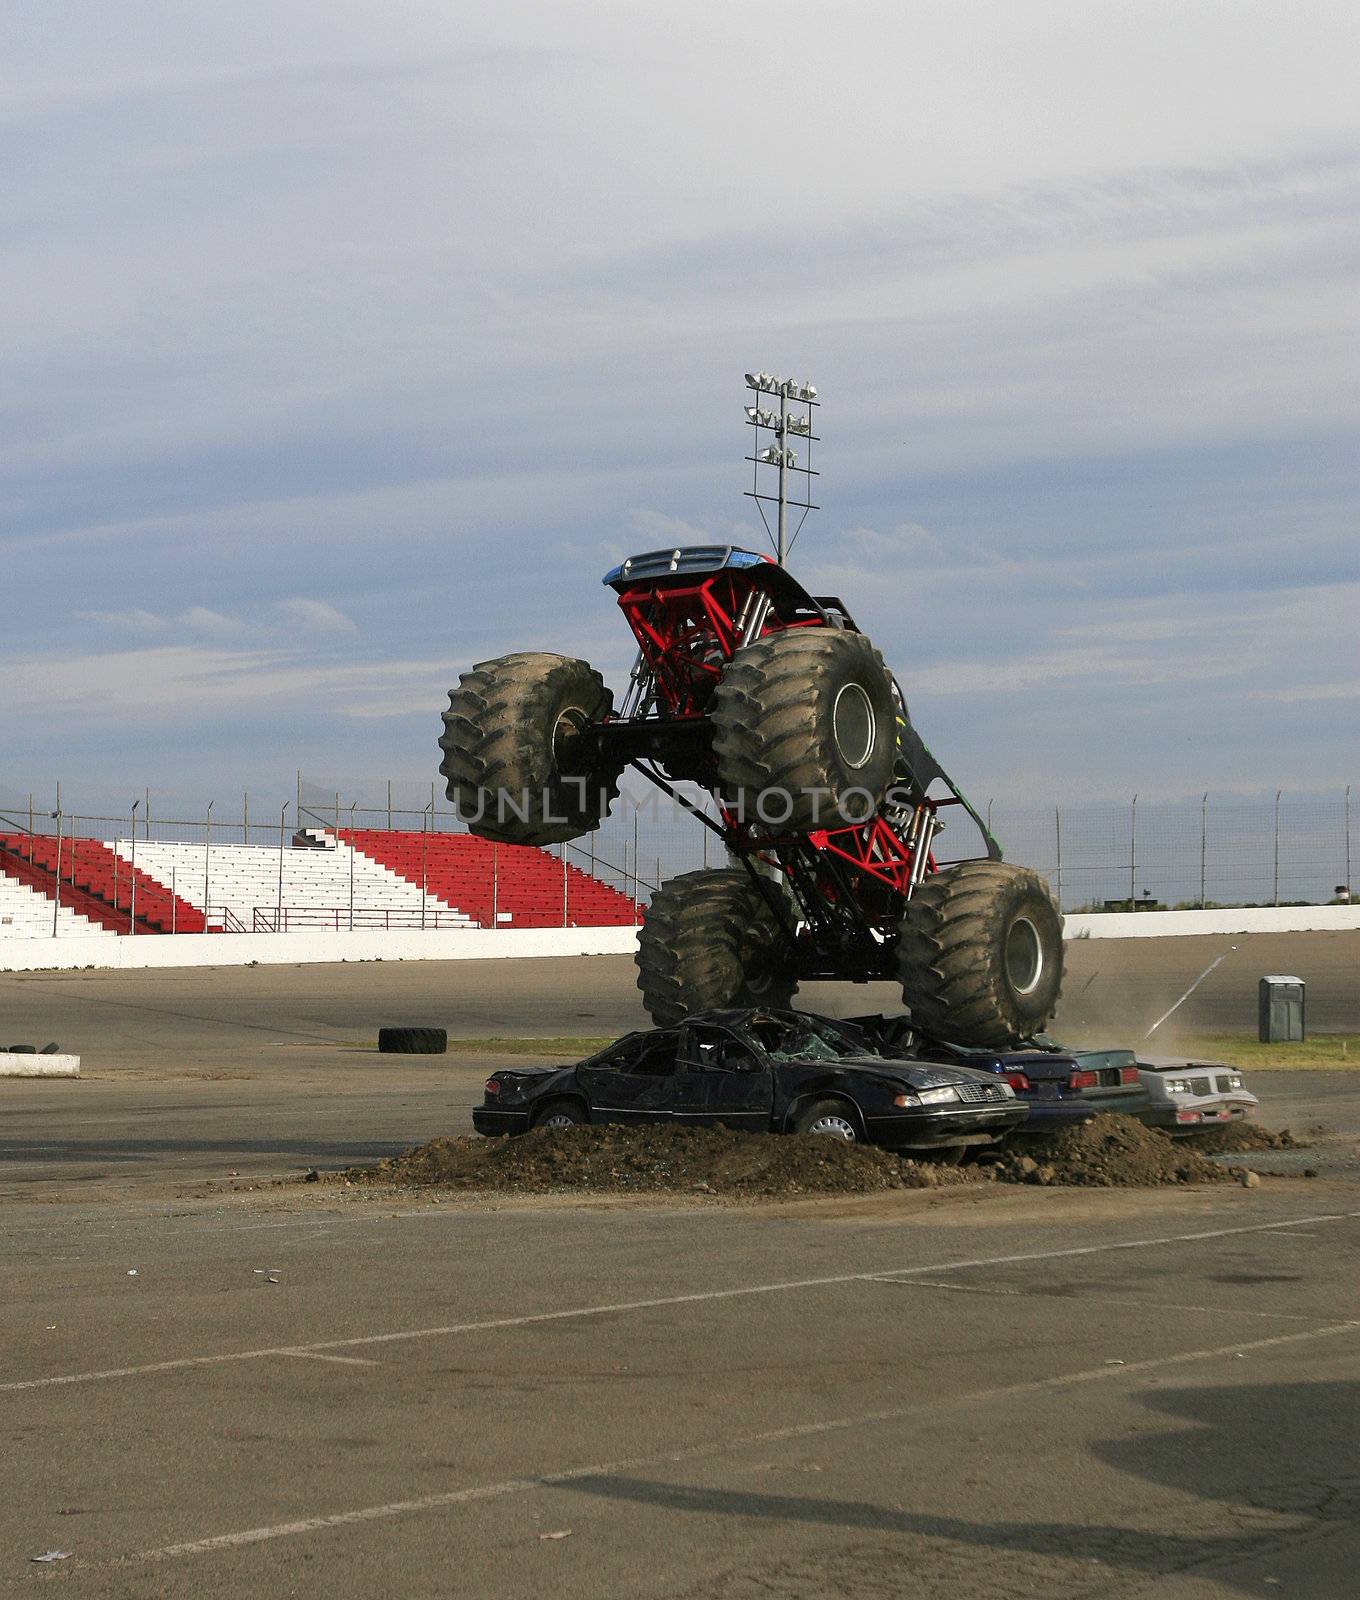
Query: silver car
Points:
[1191, 1096]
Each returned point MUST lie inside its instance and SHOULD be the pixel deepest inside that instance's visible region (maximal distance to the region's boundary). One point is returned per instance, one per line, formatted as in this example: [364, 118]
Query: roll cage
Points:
[690, 610]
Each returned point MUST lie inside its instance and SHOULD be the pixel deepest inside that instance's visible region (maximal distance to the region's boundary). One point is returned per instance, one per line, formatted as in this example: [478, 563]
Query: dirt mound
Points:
[1107, 1152]
[1110, 1152]
[617, 1160]
[1245, 1136]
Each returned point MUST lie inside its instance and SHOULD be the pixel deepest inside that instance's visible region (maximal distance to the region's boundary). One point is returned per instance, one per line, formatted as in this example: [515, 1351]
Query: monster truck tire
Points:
[413, 1041]
[805, 730]
[980, 954]
[708, 941]
[519, 766]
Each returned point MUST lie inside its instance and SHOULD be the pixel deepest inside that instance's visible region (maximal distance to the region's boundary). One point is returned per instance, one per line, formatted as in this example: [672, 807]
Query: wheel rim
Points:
[559, 1119]
[566, 738]
[854, 727]
[834, 1126]
[1024, 956]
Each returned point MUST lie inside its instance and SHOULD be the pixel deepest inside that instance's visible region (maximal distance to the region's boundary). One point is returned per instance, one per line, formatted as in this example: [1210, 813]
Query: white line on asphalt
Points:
[320, 1355]
[531, 1319]
[551, 1480]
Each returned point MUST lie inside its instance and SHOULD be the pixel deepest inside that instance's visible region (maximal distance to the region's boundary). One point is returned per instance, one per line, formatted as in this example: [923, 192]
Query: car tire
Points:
[828, 1119]
[561, 1114]
[709, 941]
[980, 954]
[805, 730]
[516, 738]
[413, 1041]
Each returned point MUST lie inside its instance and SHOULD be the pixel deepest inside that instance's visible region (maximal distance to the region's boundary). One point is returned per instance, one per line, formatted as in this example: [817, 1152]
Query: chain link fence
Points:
[1288, 848]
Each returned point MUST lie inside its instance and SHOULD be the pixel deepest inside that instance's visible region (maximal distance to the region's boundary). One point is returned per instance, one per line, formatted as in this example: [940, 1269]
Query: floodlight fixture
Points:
[780, 454]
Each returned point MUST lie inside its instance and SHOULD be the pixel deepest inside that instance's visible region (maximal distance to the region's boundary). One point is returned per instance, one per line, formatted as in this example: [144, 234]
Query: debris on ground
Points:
[1239, 1136]
[52, 1555]
[620, 1160]
[1109, 1152]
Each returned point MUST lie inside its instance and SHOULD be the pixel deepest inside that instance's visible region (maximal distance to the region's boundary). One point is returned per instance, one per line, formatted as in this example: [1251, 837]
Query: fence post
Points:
[278, 909]
[245, 816]
[56, 901]
[1275, 898]
[424, 839]
[30, 824]
[637, 893]
[495, 884]
[389, 805]
[207, 845]
[146, 814]
[132, 892]
[337, 811]
[1203, 844]
[1348, 841]
[174, 902]
[564, 883]
[298, 812]
[350, 845]
[1133, 849]
[1057, 835]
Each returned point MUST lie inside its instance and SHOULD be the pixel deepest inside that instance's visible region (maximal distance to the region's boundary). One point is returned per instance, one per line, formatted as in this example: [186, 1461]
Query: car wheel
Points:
[561, 1114]
[829, 1118]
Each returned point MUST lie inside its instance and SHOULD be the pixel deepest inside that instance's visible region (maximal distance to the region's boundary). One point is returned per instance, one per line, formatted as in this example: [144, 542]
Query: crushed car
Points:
[761, 1070]
[1187, 1097]
[1061, 1087]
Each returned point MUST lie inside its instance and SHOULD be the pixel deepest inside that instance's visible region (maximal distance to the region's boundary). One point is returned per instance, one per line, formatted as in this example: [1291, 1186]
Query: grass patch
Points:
[1339, 1050]
[565, 1047]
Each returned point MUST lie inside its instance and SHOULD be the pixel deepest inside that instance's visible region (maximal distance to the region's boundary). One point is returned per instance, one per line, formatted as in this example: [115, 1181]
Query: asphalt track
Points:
[943, 1394]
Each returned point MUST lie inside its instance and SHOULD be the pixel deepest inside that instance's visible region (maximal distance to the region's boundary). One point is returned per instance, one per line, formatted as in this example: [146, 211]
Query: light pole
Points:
[781, 455]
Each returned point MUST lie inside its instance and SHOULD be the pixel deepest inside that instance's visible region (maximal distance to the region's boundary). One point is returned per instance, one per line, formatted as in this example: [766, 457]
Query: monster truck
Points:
[828, 802]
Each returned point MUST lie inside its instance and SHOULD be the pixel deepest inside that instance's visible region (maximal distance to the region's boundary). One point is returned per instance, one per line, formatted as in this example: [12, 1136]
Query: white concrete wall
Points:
[321, 945]
[1180, 924]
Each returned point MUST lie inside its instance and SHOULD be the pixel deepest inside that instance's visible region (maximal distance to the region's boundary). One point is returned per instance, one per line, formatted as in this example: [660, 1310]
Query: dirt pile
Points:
[616, 1160]
[1240, 1136]
[1109, 1152]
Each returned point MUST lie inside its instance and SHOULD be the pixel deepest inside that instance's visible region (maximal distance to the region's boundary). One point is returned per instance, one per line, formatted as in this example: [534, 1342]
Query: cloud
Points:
[134, 619]
[182, 682]
[314, 615]
[199, 619]
[1304, 692]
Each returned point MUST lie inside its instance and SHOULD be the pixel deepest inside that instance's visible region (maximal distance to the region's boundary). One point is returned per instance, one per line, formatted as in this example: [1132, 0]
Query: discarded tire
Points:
[413, 1041]
[980, 954]
[519, 760]
[21, 1049]
[709, 940]
[805, 730]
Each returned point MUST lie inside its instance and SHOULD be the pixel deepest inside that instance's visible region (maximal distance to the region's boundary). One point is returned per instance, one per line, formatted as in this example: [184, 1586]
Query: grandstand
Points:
[324, 878]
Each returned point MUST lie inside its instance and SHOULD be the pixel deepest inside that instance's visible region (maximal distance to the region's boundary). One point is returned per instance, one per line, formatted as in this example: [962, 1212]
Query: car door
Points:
[723, 1080]
[633, 1082]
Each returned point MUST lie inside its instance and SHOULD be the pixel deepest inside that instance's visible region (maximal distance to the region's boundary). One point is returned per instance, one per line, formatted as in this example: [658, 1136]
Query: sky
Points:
[348, 344]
